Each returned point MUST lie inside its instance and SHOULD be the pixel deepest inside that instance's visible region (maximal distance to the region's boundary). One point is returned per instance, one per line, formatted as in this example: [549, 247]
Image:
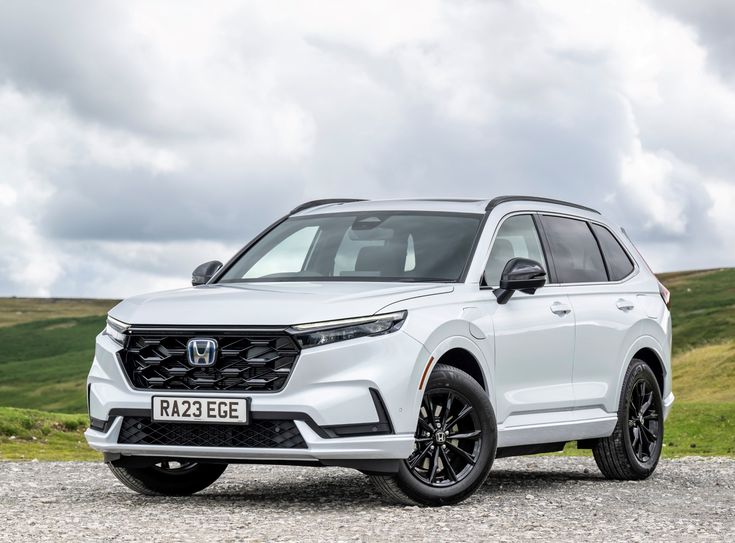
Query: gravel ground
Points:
[548, 498]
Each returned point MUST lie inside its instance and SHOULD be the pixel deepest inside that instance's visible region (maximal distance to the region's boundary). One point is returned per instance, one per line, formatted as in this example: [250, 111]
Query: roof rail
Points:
[503, 199]
[315, 203]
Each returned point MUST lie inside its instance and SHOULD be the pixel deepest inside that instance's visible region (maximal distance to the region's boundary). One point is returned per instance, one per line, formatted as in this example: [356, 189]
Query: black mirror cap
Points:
[521, 274]
[204, 272]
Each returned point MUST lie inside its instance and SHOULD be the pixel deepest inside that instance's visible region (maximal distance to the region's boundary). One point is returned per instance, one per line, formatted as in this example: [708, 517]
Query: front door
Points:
[534, 334]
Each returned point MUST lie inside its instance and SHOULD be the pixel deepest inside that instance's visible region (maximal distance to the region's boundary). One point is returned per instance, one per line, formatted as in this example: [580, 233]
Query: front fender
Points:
[453, 342]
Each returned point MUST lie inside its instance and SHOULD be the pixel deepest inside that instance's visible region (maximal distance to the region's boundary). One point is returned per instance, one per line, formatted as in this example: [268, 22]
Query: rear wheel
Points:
[455, 444]
[633, 450]
[169, 478]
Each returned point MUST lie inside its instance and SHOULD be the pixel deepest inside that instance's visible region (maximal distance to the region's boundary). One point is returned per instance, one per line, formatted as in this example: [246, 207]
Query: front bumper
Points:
[331, 387]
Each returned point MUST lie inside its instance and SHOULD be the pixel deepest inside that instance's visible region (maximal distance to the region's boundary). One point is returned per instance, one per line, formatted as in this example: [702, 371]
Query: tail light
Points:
[665, 295]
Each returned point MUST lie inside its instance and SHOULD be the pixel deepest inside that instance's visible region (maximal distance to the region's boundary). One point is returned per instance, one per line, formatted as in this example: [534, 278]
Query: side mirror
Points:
[521, 274]
[204, 272]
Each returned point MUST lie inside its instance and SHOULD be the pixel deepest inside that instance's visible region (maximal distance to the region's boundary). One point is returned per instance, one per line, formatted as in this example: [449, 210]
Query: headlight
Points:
[116, 330]
[323, 333]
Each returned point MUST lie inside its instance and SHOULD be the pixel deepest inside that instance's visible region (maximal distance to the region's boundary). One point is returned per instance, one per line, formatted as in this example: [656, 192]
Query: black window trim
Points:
[550, 270]
[589, 222]
[602, 252]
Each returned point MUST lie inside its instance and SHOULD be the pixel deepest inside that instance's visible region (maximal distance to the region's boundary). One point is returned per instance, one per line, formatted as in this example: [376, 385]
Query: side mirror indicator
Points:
[521, 274]
[204, 272]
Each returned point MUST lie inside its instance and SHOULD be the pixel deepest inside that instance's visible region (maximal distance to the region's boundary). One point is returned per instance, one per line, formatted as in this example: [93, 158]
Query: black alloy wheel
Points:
[448, 439]
[454, 443]
[643, 422]
[632, 451]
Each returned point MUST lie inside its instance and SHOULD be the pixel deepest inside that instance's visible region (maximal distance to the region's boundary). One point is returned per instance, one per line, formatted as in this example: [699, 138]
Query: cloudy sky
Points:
[138, 139]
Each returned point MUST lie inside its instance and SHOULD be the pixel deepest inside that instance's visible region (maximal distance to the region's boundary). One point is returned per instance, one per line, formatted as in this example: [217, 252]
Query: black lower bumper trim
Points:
[367, 466]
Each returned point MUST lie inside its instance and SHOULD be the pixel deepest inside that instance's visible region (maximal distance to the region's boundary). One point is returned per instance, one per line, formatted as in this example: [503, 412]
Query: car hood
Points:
[267, 304]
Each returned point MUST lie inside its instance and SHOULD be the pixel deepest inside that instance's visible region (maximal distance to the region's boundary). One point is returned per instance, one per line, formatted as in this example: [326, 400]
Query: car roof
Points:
[446, 205]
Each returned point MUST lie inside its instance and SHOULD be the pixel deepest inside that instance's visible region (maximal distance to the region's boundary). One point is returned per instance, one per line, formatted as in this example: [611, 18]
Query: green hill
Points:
[48, 345]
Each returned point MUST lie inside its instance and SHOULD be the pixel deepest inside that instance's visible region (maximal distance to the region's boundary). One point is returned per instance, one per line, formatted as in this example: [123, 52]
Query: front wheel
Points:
[455, 444]
[169, 478]
[633, 450]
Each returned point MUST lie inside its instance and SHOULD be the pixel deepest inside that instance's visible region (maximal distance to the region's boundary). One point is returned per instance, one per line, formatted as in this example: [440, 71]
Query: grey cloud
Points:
[713, 21]
[483, 107]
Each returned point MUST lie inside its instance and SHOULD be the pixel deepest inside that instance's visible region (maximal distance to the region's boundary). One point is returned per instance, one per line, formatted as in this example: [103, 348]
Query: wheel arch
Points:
[462, 353]
[648, 349]
[462, 359]
[650, 357]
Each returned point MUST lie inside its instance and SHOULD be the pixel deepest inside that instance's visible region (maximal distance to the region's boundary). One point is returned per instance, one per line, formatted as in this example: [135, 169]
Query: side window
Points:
[576, 255]
[287, 257]
[618, 262]
[517, 237]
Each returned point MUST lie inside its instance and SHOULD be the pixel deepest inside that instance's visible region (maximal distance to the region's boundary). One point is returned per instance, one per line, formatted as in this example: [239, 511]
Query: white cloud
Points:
[139, 139]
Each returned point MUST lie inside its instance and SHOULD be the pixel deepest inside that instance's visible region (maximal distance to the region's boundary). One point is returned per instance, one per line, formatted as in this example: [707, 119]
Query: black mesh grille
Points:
[268, 434]
[258, 362]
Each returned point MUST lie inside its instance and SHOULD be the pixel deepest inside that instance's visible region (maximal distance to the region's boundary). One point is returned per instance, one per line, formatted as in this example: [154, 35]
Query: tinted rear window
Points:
[619, 265]
[577, 257]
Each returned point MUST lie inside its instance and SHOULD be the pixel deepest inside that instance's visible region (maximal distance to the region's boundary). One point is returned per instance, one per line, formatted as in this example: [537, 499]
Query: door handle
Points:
[560, 309]
[624, 305]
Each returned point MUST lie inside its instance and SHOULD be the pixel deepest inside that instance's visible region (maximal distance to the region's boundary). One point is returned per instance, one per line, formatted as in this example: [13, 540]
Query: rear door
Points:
[596, 271]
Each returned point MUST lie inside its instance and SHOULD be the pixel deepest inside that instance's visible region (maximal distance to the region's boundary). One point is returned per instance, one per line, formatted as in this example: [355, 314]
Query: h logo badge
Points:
[201, 351]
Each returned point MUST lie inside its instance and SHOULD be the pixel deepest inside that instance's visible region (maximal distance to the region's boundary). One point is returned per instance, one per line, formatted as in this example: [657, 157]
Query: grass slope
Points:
[20, 310]
[701, 429]
[27, 434]
[43, 364]
[48, 346]
[702, 307]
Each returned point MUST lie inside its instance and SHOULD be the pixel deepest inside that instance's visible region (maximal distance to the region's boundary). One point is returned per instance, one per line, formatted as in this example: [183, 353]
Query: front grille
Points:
[256, 362]
[267, 434]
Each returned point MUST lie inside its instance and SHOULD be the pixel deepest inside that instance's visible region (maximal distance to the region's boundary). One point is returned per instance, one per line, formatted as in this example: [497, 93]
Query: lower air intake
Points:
[266, 434]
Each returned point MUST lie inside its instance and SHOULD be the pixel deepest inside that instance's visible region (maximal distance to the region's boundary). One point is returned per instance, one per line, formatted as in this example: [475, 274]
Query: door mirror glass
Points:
[521, 274]
[204, 272]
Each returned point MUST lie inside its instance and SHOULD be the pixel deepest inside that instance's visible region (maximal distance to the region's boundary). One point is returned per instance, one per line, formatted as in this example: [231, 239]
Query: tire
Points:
[169, 478]
[633, 450]
[439, 471]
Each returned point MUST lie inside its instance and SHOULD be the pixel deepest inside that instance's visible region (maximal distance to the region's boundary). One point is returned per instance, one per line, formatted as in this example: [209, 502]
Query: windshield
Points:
[384, 246]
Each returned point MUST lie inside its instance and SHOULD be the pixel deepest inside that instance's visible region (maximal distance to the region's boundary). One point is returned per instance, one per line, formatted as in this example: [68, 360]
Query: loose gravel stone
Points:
[544, 498]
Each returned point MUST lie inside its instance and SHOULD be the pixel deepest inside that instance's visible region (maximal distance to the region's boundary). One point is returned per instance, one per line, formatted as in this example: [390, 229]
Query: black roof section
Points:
[490, 206]
[503, 199]
[315, 203]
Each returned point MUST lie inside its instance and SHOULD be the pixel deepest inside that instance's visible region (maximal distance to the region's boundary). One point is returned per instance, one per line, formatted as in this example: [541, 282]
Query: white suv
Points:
[413, 340]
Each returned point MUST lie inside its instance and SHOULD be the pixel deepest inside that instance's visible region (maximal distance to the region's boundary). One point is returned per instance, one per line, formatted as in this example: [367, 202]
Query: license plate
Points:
[213, 410]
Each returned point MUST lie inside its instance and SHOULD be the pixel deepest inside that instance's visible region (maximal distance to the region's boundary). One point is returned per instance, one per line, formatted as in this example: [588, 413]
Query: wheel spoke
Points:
[651, 416]
[636, 437]
[431, 409]
[448, 465]
[429, 427]
[464, 454]
[466, 435]
[650, 436]
[446, 409]
[419, 457]
[462, 414]
[434, 465]
[647, 403]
